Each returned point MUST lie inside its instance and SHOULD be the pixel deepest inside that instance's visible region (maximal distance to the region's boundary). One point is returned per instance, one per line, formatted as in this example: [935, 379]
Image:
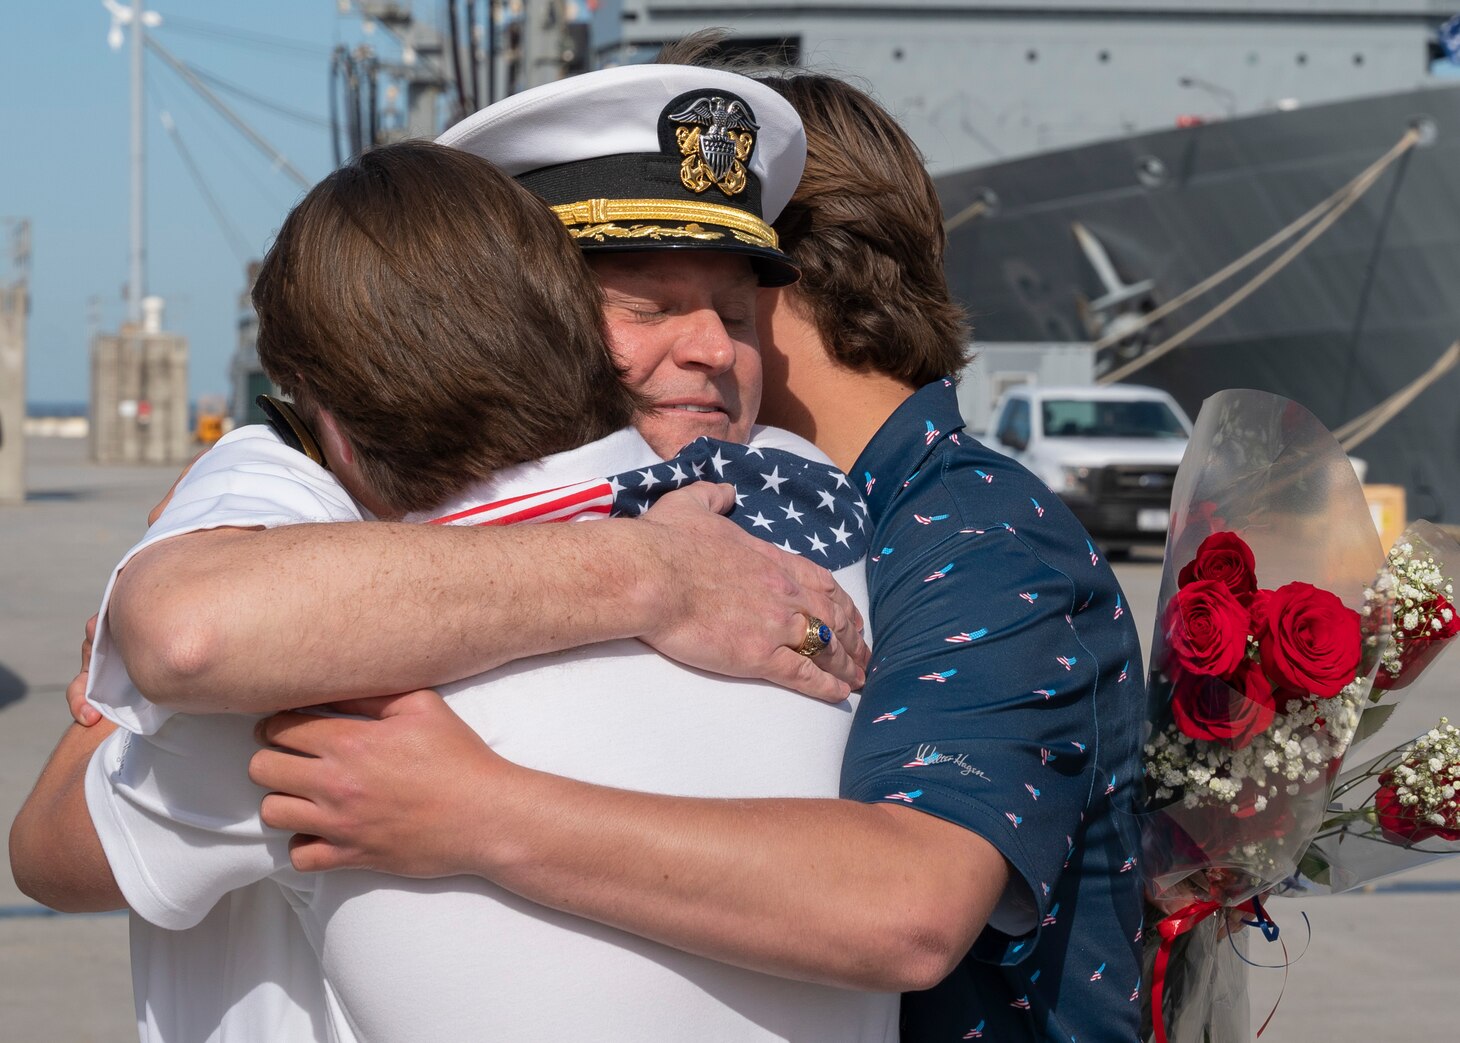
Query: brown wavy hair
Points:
[440, 312]
[866, 228]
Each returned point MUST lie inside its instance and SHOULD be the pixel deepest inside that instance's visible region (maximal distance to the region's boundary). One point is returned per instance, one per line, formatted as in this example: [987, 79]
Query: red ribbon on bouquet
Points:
[1182, 922]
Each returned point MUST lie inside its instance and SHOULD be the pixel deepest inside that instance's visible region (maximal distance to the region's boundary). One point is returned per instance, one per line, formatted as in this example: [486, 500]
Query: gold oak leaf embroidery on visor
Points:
[599, 219]
[612, 231]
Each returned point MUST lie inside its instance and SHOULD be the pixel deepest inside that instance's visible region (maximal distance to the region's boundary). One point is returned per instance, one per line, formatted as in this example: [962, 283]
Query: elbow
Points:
[168, 642]
[22, 864]
[923, 953]
[27, 863]
[178, 667]
[39, 878]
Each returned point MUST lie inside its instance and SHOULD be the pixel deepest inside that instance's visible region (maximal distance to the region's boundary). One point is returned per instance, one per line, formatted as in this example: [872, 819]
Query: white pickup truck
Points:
[1110, 453]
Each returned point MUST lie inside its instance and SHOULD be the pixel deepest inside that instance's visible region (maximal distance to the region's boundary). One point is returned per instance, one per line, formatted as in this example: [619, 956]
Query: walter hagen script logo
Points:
[715, 145]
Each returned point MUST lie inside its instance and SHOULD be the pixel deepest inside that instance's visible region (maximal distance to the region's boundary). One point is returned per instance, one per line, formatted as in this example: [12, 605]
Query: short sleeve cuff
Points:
[1015, 922]
[137, 886]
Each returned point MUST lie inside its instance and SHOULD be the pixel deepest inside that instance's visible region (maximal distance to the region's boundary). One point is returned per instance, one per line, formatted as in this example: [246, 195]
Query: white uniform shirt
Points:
[460, 958]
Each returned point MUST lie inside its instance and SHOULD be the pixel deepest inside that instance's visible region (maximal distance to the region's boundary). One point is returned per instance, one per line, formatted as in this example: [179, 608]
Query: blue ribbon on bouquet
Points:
[1188, 919]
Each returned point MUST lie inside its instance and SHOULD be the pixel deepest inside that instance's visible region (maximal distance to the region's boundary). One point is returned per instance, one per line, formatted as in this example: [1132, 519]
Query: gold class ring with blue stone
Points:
[818, 636]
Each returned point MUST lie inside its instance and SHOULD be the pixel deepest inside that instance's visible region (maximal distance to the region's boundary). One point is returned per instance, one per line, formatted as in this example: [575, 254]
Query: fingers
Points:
[789, 669]
[711, 496]
[821, 597]
[380, 707]
[310, 854]
[836, 661]
[82, 712]
[301, 732]
[86, 644]
[291, 814]
[285, 772]
[845, 630]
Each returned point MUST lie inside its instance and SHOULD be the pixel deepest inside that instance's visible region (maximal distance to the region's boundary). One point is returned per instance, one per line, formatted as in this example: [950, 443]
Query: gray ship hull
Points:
[1327, 331]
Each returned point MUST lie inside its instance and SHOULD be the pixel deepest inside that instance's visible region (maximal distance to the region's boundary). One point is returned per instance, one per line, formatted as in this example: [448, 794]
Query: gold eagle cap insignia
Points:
[716, 140]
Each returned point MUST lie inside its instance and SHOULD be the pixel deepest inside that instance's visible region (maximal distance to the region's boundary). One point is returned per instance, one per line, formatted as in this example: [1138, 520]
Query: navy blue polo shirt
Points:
[1006, 695]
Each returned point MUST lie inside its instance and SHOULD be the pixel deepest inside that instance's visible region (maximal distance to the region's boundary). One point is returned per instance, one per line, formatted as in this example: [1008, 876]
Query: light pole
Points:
[140, 21]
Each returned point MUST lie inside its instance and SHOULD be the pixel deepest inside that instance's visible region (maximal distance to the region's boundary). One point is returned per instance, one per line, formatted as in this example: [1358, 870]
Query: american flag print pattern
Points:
[965, 636]
[1036, 595]
[768, 484]
[890, 715]
[563, 503]
[906, 796]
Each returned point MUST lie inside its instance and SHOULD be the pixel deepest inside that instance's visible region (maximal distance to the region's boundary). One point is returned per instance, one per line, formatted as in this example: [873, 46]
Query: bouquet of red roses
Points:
[1420, 566]
[1269, 631]
[1396, 803]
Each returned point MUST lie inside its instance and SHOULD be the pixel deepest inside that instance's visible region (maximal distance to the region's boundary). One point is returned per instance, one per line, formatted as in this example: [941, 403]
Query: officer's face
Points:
[682, 323]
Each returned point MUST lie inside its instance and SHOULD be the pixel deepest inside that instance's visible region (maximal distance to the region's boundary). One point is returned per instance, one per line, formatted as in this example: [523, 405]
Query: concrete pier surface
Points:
[1380, 966]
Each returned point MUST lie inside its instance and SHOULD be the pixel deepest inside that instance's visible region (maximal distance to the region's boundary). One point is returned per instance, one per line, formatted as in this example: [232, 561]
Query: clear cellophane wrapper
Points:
[1356, 845]
[1229, 815]
[1206, 988]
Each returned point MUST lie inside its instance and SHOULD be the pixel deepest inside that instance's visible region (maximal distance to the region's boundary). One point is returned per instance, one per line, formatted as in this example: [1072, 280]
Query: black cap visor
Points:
[772, 268]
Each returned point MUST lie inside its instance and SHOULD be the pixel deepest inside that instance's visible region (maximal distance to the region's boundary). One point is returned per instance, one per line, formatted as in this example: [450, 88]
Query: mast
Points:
[136, 288]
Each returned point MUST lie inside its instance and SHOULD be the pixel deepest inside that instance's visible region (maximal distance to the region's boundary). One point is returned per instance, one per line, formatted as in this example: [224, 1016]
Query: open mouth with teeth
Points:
[697, 409]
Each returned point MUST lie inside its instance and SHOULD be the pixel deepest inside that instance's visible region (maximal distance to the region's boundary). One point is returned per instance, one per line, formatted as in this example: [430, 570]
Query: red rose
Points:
[1402, 824]
[1208, 708]
[1309, 641]
[1207, 629]
[1420, 646]
[1226, 558]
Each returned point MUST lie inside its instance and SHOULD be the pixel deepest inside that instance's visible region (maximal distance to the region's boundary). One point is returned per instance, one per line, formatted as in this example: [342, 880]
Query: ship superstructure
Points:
[1097, 158]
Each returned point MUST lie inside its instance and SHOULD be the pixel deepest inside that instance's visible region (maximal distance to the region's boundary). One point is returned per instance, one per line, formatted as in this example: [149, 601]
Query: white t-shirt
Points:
[460, 958]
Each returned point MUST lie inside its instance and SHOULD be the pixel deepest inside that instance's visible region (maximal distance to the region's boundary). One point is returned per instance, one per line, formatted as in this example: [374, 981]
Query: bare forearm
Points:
[238, 620]
[54, 851]
[820, 890]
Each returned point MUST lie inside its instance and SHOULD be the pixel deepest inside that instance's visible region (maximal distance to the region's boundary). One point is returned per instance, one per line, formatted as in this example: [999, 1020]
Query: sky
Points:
[64, 133]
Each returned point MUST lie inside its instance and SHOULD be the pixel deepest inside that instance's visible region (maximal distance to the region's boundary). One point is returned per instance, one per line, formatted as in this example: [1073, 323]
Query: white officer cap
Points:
[652, 157]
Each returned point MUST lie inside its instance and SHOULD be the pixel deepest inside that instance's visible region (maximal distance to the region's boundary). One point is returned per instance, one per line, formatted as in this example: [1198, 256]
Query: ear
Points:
[337, 447]
[339, 451]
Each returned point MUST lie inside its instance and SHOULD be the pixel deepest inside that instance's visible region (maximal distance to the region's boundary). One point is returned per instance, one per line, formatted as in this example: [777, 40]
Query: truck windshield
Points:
[1075, 418]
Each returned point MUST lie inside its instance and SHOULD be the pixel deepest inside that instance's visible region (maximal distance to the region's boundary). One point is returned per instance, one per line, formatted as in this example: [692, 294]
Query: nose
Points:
[704, 343]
